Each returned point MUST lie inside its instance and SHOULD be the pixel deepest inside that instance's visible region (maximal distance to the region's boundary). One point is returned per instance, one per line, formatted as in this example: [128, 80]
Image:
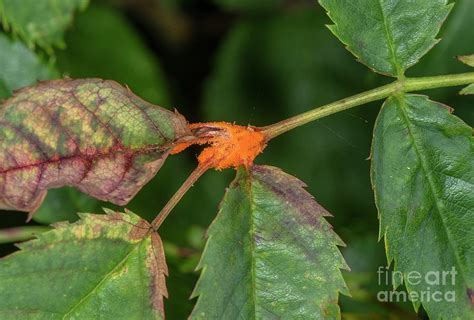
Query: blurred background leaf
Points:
[41, 22]
[248, 5]
[103, 43]
[20, 66]
[63, 204]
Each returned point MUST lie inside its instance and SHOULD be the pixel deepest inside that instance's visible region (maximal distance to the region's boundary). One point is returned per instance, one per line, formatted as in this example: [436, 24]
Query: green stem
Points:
[20, 233]
[173, 201]
[271, 131]
[401, 85]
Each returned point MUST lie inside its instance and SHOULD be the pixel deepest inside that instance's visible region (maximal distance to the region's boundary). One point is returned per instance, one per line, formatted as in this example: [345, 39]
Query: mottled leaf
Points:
[19, 66]
[423, 176]
[92, 134]
[40, 22]
[270, 253]
[387, 36]
[101, 267]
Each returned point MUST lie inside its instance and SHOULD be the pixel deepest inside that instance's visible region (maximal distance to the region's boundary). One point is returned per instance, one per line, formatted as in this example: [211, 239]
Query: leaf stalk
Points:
[173, 201]
[400, 85]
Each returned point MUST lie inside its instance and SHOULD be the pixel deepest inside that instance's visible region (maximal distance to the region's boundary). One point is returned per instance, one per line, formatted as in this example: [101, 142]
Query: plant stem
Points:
[173, 201]
[274, 130]
[20, 233]
[401, 85]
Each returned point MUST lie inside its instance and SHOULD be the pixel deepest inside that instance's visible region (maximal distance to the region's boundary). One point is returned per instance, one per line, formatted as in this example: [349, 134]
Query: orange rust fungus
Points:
[230, 145]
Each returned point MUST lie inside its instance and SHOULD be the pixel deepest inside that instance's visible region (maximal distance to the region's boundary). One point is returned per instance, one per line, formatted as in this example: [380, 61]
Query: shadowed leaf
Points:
[92, 134]
[90, 43]
[423, 177]
[270, 253]
[387, 36]
[40, 22]
[103, 266]
[63, 204]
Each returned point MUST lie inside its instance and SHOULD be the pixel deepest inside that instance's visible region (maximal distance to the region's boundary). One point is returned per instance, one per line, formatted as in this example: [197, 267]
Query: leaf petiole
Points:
[173, 201]
[401, 85]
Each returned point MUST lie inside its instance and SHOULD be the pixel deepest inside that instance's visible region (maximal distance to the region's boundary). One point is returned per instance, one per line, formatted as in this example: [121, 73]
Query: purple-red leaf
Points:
[92, 134]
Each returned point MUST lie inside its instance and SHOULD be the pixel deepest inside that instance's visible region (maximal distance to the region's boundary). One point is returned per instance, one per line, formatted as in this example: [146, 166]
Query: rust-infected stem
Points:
[173, 201]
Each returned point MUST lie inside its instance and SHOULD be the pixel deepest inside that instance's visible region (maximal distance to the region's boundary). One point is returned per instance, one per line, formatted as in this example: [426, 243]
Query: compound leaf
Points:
[92, 134]
[387, 36]
[423, 177]
[100, 267]
[270, 253]
[39, 22]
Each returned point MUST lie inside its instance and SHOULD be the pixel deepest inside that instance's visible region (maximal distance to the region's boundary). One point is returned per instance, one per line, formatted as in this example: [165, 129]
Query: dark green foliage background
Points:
[258, 64]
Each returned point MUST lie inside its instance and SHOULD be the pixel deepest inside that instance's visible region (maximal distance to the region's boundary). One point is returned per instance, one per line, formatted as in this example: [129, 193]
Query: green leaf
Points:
[469, 60]
[92, 134]
[270, 253]
[124, 57]
[423, 177]
[17, 234]
[19, 66]
[63, 204]
[277, 62]
[468, 90]
[40, 22]
[387, 36]
[101, 267]
[4, 92]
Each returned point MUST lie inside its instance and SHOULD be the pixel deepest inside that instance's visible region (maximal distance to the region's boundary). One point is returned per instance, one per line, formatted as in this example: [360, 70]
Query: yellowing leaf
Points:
[101, 267]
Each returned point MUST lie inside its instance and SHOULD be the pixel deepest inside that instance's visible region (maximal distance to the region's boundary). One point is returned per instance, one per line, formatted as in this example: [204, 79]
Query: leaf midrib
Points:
[398, 68]
[252, 242]
[424, 166]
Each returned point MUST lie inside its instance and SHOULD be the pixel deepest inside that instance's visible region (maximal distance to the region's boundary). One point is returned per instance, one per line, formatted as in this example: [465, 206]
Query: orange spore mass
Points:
[230, 145]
